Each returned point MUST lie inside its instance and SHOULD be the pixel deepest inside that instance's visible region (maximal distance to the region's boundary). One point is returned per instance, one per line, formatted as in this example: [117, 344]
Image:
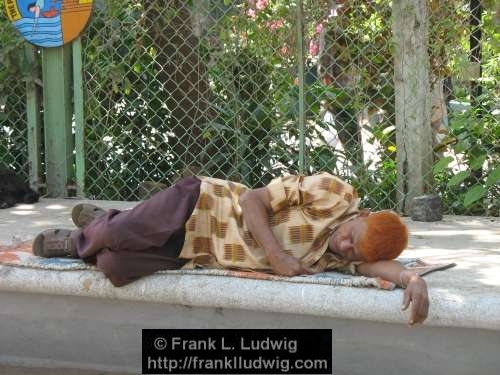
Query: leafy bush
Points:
[468, 177]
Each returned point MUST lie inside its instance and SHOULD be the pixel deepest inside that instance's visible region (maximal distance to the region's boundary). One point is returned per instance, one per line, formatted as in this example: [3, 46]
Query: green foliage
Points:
[15, 72]
[442, 164]
[127, 120]
[217, 82]
[469, 177]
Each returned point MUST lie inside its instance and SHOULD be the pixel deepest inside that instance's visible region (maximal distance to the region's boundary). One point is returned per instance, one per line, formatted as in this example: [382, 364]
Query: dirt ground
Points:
[8, 370]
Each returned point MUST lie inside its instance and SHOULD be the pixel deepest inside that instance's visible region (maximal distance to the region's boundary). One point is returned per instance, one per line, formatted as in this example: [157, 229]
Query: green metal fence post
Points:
[34, 121]
[57, 119]
[300, 65]
[79, 118]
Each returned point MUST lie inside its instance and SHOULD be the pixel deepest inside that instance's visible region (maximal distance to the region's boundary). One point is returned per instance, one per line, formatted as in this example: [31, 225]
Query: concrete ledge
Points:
[447, 309]
[91, 333]
[465, 296]
[49, 308]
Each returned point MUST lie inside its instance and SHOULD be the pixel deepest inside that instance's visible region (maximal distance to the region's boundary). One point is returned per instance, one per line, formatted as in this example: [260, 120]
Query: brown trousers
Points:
[127, 245]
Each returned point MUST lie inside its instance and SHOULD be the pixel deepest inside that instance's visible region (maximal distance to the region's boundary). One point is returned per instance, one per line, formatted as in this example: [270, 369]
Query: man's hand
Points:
[256, 206]
[287, 265]
[416, 288]
[416, 294]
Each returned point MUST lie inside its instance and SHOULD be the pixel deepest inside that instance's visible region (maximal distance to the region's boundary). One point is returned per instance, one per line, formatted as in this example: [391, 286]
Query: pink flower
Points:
[251, 13]
[319, 28]
[261, 4]
[274, 25]
[284, 50]
[313, 48]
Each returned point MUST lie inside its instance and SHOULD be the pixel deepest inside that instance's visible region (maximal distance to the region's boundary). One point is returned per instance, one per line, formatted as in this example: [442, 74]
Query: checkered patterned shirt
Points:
[305, 211]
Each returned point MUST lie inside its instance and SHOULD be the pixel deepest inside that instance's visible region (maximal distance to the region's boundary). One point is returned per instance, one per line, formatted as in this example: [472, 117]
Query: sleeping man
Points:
[295, 225]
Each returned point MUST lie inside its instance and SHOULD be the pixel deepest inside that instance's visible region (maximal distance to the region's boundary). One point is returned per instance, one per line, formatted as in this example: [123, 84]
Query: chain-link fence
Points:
[13, 128]
[240, 90]
[465, 68]
[249, 90]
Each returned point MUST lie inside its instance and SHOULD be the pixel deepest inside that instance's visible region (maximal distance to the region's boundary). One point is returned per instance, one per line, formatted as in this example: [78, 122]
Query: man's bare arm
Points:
[416, 288]
[256, 207]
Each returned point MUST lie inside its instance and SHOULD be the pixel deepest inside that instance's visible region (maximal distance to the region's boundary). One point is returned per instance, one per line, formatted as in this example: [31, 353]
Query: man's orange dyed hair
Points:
[386, 236]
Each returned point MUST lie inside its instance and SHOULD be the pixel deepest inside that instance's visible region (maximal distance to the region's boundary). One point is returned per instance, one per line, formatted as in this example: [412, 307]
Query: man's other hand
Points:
[416, 294]
[287, 265]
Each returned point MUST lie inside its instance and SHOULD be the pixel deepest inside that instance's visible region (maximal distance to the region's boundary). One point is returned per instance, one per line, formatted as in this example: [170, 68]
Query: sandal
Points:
[84, 213]
[54, 243]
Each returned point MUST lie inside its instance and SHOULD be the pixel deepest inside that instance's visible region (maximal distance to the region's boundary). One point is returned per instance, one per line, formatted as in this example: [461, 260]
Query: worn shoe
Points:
[54, 243]
[84, 213]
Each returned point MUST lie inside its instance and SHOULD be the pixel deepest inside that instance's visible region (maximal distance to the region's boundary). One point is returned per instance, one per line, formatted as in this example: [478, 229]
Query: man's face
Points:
[345, 240]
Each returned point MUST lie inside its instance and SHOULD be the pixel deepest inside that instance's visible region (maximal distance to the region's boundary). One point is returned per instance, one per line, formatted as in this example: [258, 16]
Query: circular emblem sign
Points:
[49, 23]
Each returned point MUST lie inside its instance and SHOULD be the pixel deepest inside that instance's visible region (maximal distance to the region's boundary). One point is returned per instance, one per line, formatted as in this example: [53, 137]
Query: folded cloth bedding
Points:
[19, 254]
